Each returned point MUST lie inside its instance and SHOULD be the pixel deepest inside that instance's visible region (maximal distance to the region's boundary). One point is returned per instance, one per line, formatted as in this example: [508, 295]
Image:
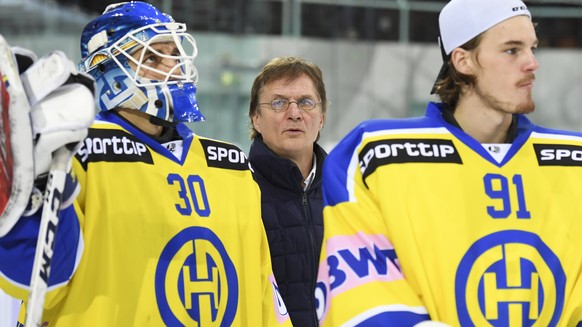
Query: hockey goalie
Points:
[46, 110]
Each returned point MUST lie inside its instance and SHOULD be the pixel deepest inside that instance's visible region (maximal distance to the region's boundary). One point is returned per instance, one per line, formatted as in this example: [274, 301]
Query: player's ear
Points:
[256, 121]
[462, 61]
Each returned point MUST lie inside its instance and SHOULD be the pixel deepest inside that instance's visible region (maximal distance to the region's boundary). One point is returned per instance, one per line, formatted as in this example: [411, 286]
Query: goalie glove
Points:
[61, 107]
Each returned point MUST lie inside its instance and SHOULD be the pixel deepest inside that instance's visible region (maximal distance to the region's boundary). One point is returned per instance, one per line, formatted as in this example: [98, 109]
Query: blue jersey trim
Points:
[393, 319]
[182, 129]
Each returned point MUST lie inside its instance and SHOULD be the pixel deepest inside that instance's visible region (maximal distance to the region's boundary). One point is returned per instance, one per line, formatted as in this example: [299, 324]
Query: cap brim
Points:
[441, 75]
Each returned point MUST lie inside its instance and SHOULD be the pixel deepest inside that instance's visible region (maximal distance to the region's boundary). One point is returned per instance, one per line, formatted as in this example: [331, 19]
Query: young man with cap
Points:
[467, 216]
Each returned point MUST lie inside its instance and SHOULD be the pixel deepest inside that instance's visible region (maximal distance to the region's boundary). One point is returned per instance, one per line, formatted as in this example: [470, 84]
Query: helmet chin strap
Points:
[161, 122]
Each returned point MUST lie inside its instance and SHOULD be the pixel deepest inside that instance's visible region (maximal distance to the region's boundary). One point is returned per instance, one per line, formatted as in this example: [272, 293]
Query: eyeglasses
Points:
[280, 105]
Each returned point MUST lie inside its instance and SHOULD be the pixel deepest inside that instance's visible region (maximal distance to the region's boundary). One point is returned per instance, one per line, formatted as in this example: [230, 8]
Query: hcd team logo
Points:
[196, 281]
[510, 278]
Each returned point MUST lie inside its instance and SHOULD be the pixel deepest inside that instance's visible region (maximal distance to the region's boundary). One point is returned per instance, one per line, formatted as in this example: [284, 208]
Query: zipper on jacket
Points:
[313, 255]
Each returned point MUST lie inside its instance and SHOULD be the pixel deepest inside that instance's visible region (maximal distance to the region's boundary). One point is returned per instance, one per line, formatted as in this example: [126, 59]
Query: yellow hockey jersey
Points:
[160, 235]
[421, 222]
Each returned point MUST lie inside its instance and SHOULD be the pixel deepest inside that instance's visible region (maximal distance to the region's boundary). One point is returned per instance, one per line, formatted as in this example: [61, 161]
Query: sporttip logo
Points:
[112, 146]
[558, 154]
[224, 155]
[385, 152]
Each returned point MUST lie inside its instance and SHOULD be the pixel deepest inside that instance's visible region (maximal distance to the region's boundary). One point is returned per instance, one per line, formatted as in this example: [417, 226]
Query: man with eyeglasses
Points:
[162, 232]
[287, 111]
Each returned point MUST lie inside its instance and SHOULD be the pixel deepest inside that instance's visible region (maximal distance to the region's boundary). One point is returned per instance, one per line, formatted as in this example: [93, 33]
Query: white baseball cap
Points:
[462, 20]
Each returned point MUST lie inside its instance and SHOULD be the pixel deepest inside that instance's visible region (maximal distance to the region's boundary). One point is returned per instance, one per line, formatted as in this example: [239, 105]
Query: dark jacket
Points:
[293, 219]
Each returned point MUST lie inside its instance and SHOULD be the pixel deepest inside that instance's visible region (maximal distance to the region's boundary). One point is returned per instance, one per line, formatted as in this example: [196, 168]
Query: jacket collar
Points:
[279, 171]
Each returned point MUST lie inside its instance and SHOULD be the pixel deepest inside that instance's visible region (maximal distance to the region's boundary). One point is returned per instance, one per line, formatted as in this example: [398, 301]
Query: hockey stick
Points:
[51, 85]
[48, 228]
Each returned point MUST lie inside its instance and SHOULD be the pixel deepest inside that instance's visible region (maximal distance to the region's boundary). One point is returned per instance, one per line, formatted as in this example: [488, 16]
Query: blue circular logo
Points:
[510, 278]
[196, 281]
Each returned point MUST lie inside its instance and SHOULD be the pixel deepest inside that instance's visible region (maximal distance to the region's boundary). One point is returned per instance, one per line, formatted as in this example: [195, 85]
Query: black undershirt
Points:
[168, 134]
